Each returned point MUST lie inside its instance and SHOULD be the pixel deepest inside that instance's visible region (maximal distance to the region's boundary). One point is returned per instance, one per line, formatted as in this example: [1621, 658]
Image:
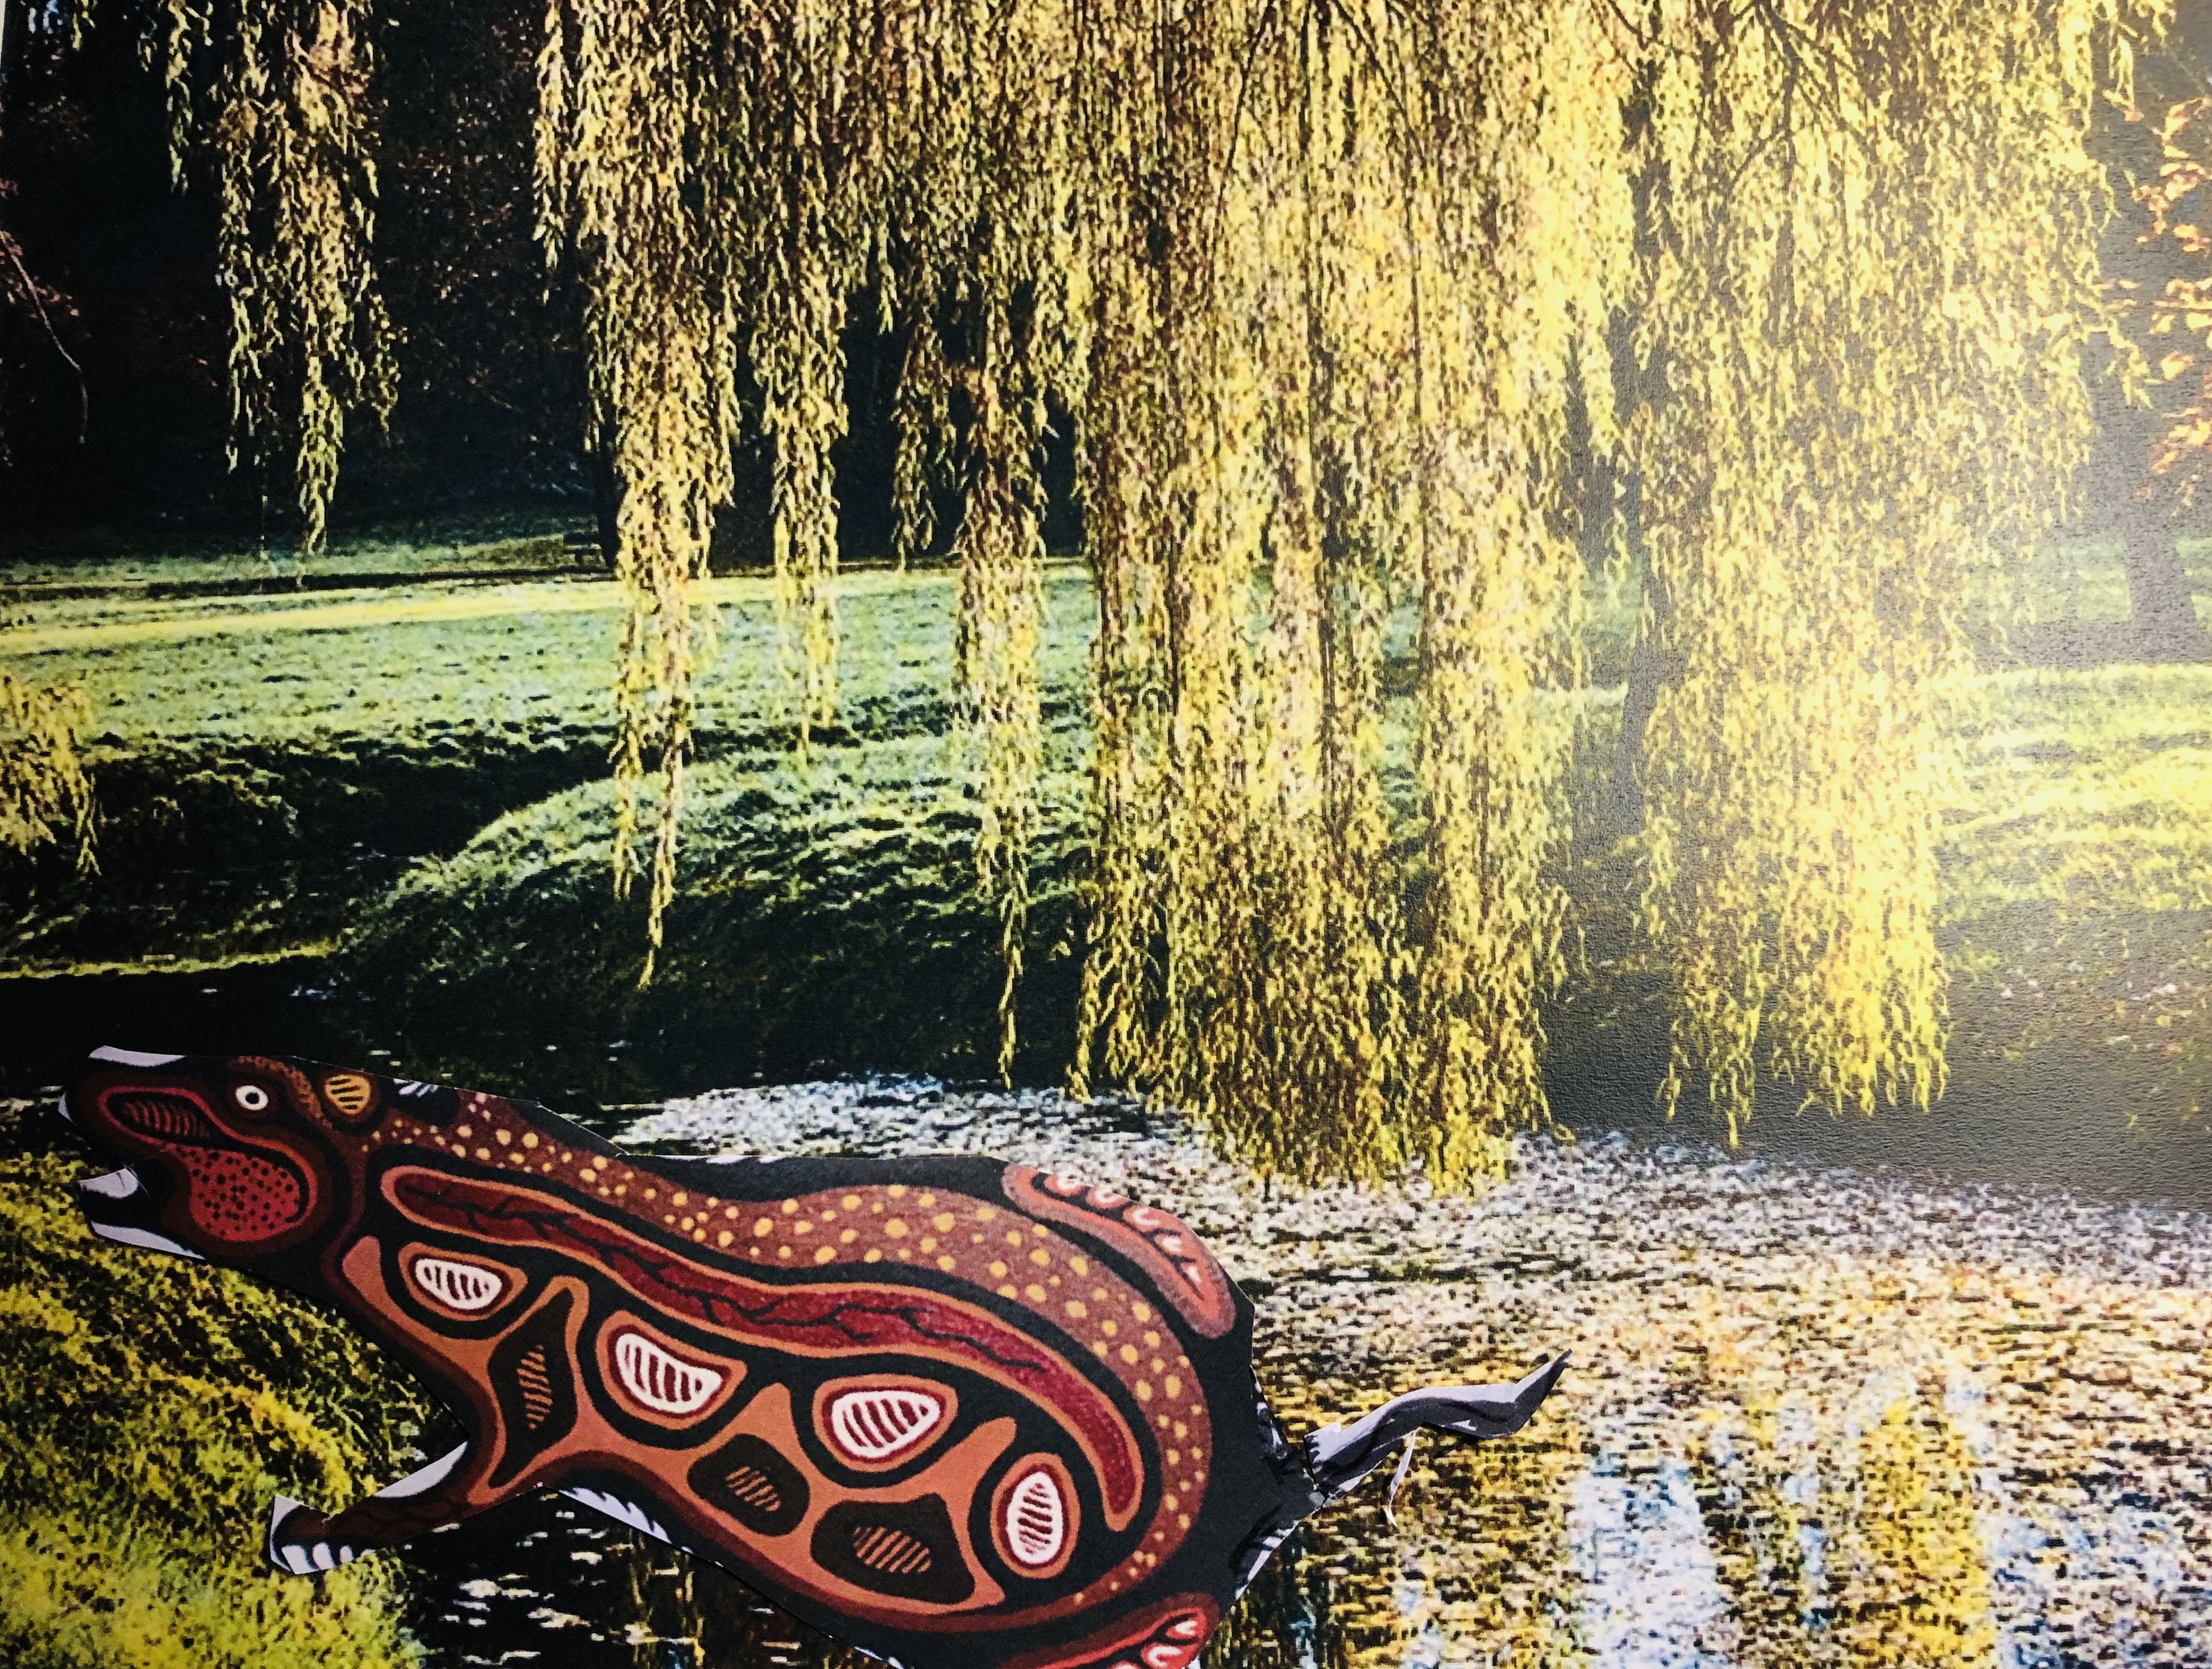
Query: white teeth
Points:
[145, 1237]
[325, 1559]
[133, 1056]
[615, 1508]
[115, 1185]
[415, 1482]
[294, 1559]
[62, 1107]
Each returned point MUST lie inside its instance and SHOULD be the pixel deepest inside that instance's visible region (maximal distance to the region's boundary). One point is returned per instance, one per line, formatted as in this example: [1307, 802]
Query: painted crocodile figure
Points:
[957, 1412]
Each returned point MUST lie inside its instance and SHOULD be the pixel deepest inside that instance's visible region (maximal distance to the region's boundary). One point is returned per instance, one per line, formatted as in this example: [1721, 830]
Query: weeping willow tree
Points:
[1323, 286]
[270, 100]
[1875, 265]
[1345, 257]
[1217, 236]
[44, 791]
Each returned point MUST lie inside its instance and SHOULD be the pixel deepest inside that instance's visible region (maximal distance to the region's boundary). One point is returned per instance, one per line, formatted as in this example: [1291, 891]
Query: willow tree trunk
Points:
[1648, 670]
[1641, 698]
[2159, 595]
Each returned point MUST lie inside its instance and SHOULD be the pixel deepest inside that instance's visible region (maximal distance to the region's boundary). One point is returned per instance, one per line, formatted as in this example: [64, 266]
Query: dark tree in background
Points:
[2131, 486]
[116, 409]
[492, 391]
[115, 394]
[491, 410]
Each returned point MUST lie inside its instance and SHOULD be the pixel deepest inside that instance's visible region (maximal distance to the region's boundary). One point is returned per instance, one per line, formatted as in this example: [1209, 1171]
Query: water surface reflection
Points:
[1817, 1418]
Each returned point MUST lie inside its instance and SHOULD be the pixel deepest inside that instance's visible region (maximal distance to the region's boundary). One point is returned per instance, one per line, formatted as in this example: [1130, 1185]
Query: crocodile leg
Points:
[302, 1541]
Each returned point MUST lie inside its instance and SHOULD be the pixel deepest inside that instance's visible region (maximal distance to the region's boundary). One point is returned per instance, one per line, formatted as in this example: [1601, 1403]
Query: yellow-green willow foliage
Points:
[275, 92]
[1347, 255]
[730, 180]
[1311, 282]
[1317, 283]
[1873, 232]
[44, 788]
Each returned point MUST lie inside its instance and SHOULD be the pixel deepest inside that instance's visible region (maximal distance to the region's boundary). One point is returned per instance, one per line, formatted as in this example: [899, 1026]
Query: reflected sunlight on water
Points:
[1815, 1417]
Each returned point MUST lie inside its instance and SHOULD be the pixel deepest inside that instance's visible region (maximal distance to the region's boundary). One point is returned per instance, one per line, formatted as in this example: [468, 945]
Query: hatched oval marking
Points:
[348, 1092]
[1035, 1520]
[872, 1425]
[463, 1286]
[661, 1381]
[893, 1552]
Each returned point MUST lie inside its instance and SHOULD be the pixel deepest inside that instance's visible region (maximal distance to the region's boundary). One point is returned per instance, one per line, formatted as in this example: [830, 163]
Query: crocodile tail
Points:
[1338, 1456]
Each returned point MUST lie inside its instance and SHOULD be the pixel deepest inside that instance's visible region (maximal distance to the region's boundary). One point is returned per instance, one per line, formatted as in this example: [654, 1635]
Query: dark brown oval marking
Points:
[536, 1388]
[754, 1485]
[906, 1549]
[536, 1384]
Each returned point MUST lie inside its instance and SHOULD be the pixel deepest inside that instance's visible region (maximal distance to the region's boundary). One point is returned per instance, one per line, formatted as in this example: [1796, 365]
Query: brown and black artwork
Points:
[952, 1411]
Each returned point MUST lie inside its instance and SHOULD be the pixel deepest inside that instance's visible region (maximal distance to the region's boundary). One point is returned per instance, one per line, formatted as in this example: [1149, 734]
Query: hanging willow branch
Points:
[1331, 327]
[46, 793]
[276, 94]
[1875, 267]
[1316, 281]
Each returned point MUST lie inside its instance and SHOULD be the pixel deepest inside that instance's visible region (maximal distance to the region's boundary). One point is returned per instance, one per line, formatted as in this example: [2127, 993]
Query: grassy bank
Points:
[827, 917]
[148, 1410]
[266, 764]
[2079, 880]
[412, 768]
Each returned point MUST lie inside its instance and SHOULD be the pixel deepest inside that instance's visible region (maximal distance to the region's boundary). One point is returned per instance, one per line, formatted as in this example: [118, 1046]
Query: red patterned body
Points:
[939, 1407]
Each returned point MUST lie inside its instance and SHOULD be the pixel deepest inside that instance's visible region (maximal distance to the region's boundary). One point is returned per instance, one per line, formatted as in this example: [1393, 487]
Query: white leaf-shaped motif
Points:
[662, 1383]
[462, 1286]
[872, 1425]
[1037, 1519]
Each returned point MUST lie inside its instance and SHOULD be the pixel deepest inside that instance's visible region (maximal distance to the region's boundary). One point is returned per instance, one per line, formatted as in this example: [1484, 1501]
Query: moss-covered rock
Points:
[827, 912]
[149, 1409]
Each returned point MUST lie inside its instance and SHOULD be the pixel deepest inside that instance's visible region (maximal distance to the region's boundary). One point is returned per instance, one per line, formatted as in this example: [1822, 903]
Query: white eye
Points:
[251, 1096]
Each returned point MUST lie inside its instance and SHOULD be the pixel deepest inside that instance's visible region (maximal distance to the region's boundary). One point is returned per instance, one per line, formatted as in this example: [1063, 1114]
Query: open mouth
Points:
[162, 1117]
[119, 1208]
[113, 1185]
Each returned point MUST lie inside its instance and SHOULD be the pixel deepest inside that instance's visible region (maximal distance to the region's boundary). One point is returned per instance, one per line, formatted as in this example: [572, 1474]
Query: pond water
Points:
[2047, 1120]
[1817, 1416]
[1937, 1413]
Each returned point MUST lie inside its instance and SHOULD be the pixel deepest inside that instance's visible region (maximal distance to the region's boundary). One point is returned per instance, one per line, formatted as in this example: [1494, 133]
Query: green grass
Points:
[2079, 878]
[2087, 792]
[509, 661]
[265, 765]
[2082, 579]
[149, 1408]
[271, 767]
[42, 566]
[823, 914]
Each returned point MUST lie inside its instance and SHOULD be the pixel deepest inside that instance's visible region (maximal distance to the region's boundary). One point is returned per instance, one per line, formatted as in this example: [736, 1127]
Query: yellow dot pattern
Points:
[979, 1244]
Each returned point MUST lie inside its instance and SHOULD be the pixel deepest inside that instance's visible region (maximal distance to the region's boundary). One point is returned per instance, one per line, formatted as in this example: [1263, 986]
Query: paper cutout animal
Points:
[957, 1412]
